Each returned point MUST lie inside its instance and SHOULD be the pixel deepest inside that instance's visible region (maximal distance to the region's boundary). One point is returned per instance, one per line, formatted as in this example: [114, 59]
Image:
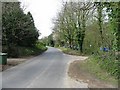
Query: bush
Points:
[108, 62]
[20, 51]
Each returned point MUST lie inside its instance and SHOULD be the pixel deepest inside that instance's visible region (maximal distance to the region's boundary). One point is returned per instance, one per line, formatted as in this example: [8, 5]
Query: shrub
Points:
[108, 62]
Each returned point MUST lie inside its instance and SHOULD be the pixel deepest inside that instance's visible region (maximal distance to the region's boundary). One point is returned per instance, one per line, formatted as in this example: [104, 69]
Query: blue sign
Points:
[104, 49]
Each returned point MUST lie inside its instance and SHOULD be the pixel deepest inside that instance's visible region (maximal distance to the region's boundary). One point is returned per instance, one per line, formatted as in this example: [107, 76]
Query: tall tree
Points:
[72, 23]
[18, 28]
[99, 6]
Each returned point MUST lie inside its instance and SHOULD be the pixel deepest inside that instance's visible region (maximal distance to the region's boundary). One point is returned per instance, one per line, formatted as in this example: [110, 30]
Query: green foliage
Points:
[70, 25]
[88, 32]
[94, 66]
[18, 28]
[49, 40]
[41, 46]
[21, 51]
[28, 51]
[71, 52]
[113, 8]
[108, 62]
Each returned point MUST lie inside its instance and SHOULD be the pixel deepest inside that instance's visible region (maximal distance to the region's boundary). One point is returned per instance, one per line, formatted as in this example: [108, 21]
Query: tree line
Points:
[78, 20]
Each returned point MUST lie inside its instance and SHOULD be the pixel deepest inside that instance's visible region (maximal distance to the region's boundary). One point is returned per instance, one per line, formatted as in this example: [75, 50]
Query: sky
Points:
[43, 11]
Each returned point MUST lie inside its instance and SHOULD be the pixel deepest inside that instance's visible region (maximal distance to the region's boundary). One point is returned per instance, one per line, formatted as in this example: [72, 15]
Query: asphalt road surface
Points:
[48, 70]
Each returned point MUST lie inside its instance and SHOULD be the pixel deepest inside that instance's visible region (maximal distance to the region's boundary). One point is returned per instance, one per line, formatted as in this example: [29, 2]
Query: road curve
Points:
[48, 70]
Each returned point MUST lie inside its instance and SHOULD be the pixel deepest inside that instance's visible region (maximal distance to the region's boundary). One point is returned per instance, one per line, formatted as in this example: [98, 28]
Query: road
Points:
[48, 70]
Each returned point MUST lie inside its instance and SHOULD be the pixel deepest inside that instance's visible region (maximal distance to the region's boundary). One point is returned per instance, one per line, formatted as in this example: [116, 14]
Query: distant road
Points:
[48, 70]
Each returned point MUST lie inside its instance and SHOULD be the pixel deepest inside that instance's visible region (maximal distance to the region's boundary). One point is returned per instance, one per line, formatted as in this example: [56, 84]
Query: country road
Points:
[48, 70]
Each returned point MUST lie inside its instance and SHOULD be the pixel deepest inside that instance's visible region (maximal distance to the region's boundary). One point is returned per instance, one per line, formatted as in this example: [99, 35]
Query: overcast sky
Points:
[43, 12]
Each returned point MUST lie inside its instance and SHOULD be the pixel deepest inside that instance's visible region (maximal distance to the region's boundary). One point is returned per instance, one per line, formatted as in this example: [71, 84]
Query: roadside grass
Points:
[71, 52]
[103, 66]
[92, 66]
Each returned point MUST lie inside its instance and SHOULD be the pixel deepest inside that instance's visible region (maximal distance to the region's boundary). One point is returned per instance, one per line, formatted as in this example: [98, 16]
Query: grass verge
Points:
[71, 52]
[94, 68]
[91, 72]
[99, 68]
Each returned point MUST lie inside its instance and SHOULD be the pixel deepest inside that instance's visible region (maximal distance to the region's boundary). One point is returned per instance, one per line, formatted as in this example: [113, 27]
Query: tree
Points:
[18, 28]
[113, 10]
[71, 23]
[99, 6]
